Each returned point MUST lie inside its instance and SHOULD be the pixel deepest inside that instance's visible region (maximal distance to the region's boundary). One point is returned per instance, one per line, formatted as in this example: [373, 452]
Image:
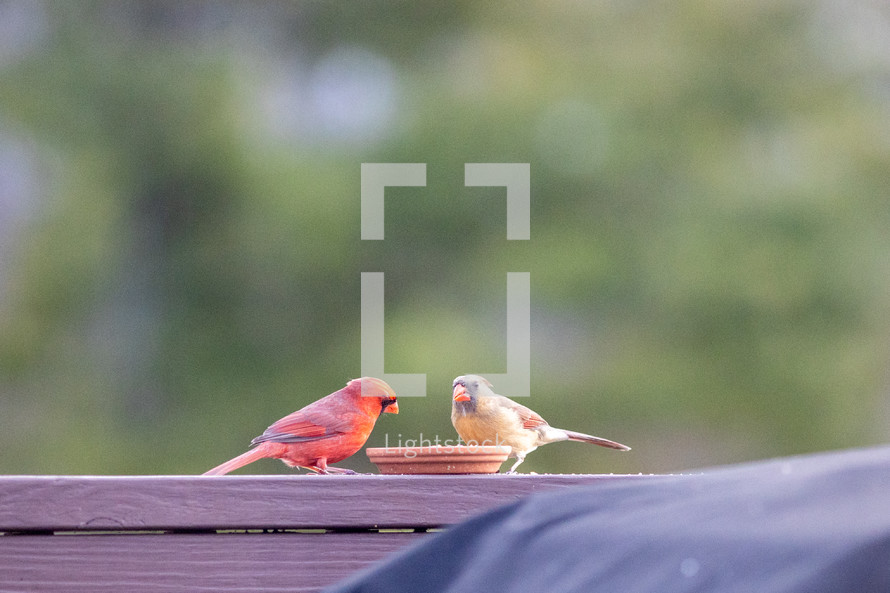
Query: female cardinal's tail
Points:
[241, 460]
[586, 438]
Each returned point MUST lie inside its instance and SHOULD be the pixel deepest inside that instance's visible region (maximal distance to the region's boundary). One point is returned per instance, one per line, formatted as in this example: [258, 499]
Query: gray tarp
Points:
[815, 523]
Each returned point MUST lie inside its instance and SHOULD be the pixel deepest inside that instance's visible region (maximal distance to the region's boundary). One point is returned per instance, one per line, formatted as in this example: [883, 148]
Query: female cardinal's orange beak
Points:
[460, 394]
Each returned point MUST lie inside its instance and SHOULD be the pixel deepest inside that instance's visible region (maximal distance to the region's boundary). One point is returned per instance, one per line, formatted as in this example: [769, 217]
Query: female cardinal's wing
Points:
[528, 417]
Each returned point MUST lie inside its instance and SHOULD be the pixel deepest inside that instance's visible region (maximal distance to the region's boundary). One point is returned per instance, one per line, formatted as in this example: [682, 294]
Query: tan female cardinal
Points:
[483, 417]
[326, 431]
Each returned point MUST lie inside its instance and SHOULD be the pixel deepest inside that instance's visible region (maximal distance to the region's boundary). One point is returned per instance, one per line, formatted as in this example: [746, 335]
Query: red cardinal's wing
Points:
[319, 420]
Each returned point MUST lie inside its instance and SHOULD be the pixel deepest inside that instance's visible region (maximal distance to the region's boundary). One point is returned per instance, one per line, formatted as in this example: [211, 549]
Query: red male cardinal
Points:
[326, 431]
[482, 417]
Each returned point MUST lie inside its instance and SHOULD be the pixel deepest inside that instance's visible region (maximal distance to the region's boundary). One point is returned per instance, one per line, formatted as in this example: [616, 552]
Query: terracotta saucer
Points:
[438, 459]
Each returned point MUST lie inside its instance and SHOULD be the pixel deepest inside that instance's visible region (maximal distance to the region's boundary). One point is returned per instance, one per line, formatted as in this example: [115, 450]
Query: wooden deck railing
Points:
[235, 533]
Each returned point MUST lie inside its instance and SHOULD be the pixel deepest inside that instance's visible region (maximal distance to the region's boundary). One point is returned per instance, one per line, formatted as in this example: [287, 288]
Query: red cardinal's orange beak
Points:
[460, 394]
[392, 408]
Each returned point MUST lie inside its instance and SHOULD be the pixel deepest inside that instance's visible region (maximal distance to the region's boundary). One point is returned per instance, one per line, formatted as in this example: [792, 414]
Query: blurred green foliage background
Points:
[180, 251]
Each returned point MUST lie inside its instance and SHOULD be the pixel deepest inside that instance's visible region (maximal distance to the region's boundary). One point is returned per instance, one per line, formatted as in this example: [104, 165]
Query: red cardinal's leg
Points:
[339, 470]
[321, 467]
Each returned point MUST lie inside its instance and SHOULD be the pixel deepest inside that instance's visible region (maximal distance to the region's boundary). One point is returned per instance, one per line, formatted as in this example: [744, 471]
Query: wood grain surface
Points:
[176, 534]
[188, 562]
[52, 503]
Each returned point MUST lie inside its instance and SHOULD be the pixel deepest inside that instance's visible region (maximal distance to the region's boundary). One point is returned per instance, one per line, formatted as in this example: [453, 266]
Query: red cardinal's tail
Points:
[241, 460]
[586, 438]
